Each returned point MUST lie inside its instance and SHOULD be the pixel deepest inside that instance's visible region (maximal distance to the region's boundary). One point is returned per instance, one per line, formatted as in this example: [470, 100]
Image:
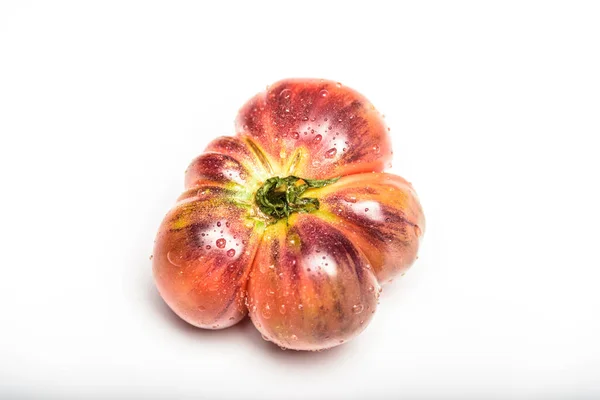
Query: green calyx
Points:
[279, 197]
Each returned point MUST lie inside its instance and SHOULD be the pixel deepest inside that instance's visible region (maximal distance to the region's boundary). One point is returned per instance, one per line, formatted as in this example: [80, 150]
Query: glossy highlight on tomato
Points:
[291, 221]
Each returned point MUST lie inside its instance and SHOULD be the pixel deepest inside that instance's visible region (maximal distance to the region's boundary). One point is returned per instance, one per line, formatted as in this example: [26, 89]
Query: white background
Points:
[495, 115]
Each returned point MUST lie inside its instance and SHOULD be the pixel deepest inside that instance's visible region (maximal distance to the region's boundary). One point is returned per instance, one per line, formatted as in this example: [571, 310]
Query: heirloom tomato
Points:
[291, 220]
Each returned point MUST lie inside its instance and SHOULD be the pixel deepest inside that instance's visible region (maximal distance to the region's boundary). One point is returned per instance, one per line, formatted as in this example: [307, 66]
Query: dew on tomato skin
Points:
[282, 309]
[371, 288]
[323, 93]
[300, 306]
[362, 322]
[231, 252]
[151, 257]
[201, 308]
[294, 337]
[357, 308]
[317, 138]
[376, 149]
[265, 337]
[270, 292]
[285, 93]
[338, 85]
[367, 209]
[351, 199]
[282, 154]
[331, 153]
[295, 135]
[266, 311]
[173, 259]
[417, 230]
[232, 318]
[221, 243]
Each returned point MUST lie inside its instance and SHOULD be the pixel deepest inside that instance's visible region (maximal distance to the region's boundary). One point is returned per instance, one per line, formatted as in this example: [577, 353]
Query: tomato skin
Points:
[202, 258]
[310, 288]
[310, 280]
[317, 128]
[381, 214]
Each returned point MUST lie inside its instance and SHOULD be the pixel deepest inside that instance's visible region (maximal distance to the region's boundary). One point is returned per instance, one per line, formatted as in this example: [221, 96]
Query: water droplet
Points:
[219, 223]
[323, 93]
[221, 243]
[371, 288]
[232, 318]
[295, 135]
[331, 153]
[362, 322]
[282, 154]
[270, 292]
[231, 252]
[176, 261]
[366, 209]
[151, 257]
[417, 231]
[282, 309]
[208, 247]
[201, 308]
[316, 163]
[285, 93]
[294, 337]
[318, 138]
[287, 110]
[266, 311]
[265, 337]
[338, 85]
[376, 149]
[300, 306]
[351, 199]
[357, 308]
[341, 340]
[228, 224]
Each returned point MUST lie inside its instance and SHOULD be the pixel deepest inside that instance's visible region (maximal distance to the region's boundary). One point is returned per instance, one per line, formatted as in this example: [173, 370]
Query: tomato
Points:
[292, 220]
